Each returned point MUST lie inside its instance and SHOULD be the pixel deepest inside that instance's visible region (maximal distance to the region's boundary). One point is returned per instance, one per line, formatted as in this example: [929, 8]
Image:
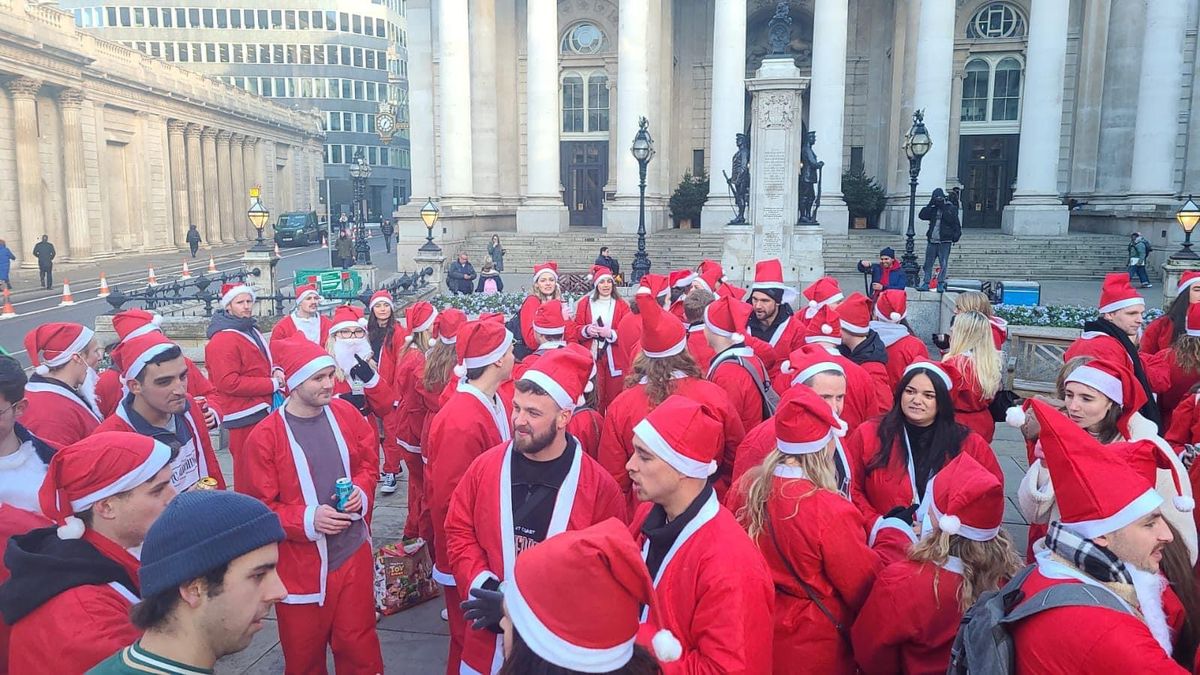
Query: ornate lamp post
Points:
[429, 214]
[258, 216]
[360, 171]
[916, 145]
[1187, 216]
[643, 152]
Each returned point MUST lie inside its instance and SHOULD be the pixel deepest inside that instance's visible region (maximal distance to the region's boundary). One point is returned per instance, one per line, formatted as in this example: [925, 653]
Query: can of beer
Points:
[206, 483]
[201, 401]
[343, 489]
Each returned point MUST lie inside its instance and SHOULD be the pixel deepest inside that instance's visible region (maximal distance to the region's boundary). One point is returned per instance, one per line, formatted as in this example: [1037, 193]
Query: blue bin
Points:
[1022, 293]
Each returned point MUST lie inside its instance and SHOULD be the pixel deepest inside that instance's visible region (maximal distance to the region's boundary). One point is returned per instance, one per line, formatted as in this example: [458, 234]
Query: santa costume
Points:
[1166, 363]
[293, 465]
[971, 408]
[402, 440]
[713, 588]
[315, 328]
[531, 303]
[824, 292]
[389, 346]
[550, 324]
[787, 331]
[374, 397]
[57, 413]
[129, 324]
[913, 611]
[891, 307]
[71, 589]
[507, 503]
[1099, 494]
[870, 354]
[1160, 333]
[465, 427]
[711, 277]
[597, 320]
[16, 521]
[736, 369]
[195, 458]
[586, 424]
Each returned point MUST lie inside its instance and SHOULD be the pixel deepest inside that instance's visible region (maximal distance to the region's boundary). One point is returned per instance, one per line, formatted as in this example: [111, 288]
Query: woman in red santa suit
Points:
[891, 323]
[914, 609]
[545, 288]
[404, 431]
[976, 301]
[1179, 364]
[597, 316]
[976, 361]
[358, 378]
[1162, 332]
[894, 457]
[811, 536]
[387, 339]
[306, 319]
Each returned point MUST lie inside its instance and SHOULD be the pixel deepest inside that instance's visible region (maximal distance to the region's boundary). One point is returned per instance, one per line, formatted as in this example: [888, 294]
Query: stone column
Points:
[484, 142]
[826, 115]
[728, 106]
[29, 179]
[542, 208]
[241, 196]
[1157, 124]
[1036, 208]
[633, 102]
[455, 113]
[931, 89]
[225, 187]
[195, 180]
[179, 180]
[78, 245]
[420, 98]
[212, 198]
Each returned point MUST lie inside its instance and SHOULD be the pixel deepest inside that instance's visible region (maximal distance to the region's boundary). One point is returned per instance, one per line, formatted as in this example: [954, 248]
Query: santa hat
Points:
[381, 295]
[855, 313]
[768, 276]
[231, 291]
[942, 371]
[891, 306]
[807, 361]
[549, 267]
[709, 275]
[1147, 457]
[565, 374]
[346, 316]
[663, 335]
[1117, 293]
[1097, 492]
[655, 284]
[51, 345]
[419, 318]
[300, 359]
[968, 500]
[481, 343]
[805, 423]
[683, 433]
[598, 567]
[824, 326]
[1188, 280]
[1117, 382]
[681, 278]
[548, 318]
[134, 322]
[101, 465]
[447, 323]
[600, 273]
[728, 318]
[1193, 320]
[305, 290]
[133, 355]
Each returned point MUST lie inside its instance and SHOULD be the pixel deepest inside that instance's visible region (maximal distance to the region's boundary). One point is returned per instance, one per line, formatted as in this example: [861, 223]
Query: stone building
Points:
[109, 151]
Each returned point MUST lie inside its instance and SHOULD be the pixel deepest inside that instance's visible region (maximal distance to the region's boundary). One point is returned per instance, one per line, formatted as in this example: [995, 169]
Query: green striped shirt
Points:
[134, 659]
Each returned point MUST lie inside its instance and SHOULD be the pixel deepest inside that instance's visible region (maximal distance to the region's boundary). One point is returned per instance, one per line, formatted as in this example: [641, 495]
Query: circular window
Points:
[996, 20]
[585, 38]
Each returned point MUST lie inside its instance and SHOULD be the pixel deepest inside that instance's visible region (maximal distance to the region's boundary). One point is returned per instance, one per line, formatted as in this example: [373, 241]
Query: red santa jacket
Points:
[1157, 336]
[787, 336]
[1162, 366]
[287, 328]
[479, 526]
[629, 337]
[759, 442]
[632, 405]
[613, 361]
[697, 346]
[379, 395]
[466, 427]
[1185, 424]
[1103, 346]
[195, 460]
[409, 418]
[970, 405]
[13, 521]
[280, 477]
[714, 594]
[56, 414]
[241, 375]
[744, 394]
[862, 400]
[877, 492]
[901, 354]
[586, 425]
[109, 390]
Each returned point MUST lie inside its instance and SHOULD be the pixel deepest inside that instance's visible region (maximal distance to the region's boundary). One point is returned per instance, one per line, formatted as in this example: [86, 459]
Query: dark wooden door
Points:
[987, 169]
[584, 173]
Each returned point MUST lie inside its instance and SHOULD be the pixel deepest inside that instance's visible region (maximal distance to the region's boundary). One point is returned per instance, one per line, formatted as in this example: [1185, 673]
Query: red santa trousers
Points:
[419, 521]
[346, 622]
[458, 628]
[237, 441]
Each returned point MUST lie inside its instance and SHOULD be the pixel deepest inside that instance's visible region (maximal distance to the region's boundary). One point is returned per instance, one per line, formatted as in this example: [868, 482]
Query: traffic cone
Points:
[8, 312]
[212, 265]
[152, 280]
[187, 273]
[67, 299]
[277, 251]
[324, 242]
[103, 287]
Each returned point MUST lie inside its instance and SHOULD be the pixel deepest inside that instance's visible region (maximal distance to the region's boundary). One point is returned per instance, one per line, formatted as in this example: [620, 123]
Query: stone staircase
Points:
[981, 254]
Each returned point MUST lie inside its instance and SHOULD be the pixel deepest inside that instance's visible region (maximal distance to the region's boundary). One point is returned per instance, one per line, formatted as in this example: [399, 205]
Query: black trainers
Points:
[388, 484]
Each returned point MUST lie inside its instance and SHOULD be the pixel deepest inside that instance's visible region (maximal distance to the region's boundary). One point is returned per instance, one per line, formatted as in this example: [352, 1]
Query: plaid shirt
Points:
[1095, 561]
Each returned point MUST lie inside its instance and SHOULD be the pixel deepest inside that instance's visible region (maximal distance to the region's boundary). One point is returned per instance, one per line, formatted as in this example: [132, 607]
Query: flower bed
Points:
[507, 304]
[1055, 316]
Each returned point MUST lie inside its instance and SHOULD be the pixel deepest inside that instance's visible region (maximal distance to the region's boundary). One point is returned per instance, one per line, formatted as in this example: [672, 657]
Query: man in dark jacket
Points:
[944, 230]
[193, 239]
[388, 230]
[460, 275]
[886, 274]
[608, 261]
[44, 252]
[345, 249]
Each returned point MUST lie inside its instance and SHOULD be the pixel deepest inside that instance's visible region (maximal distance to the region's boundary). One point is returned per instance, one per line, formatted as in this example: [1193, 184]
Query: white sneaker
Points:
[388, 485]
[445, 615]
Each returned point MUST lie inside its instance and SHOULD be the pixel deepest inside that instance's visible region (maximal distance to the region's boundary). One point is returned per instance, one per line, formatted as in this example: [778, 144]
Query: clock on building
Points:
[385, 122]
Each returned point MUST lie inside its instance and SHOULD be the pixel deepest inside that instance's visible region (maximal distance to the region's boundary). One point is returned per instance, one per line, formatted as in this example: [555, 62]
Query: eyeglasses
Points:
[4, 411]
[351, 333]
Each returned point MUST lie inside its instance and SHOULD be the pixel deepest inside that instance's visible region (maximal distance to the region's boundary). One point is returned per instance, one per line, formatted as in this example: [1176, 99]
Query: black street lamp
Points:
[916, 145]
[360, 171]
[1187, 216]
[258, 216]
[643, 152]
[429, 214]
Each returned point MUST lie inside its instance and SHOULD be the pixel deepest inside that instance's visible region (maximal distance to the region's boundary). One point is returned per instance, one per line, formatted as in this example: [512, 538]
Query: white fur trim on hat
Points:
[930, 367]
[545, 330]
[687, 466]
[228, 297]
[1138, 508]
[308, 292]
[426, 324]
[554, 648]
[551, 386]
[309, 369]
[815, 369]
[670, 351]
[139, 364]
[1100, 381]
[77, 345]
[158, 458]
[390, 303]
[1014, 416]
[488, 358]
[1122, 304]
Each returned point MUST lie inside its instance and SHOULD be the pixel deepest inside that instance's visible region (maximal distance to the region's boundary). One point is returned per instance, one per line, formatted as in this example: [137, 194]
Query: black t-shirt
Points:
[662, 535]
[925, 465]
[535, 487]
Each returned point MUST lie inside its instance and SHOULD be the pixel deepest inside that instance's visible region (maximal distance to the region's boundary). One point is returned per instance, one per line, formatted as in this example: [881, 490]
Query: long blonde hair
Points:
[986, 564]
[419, 341]
[439, 364]
[758, 484]
[973, 301]
[971, 338]
[660, 374]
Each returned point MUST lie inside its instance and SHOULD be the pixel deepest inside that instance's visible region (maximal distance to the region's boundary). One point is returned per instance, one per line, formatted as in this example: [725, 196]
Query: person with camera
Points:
[944, 231]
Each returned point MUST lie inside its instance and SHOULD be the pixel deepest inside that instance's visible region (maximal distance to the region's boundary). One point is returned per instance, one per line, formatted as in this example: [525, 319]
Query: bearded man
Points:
[357, 377]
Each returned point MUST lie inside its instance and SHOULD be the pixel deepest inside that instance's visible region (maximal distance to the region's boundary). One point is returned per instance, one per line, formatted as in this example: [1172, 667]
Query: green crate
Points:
[330, 281]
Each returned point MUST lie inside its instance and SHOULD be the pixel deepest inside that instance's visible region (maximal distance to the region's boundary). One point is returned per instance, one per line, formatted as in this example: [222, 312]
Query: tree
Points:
[864, 197]
[689, 197]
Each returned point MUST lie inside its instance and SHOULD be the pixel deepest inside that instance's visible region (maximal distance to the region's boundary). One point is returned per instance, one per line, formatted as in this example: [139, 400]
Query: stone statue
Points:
[779, 28]
[739, 181]
[810, 179]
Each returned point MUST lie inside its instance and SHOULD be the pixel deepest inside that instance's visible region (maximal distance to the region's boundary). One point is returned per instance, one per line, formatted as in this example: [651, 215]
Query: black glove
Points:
[485, 609]
[905, 513]
[363, 372]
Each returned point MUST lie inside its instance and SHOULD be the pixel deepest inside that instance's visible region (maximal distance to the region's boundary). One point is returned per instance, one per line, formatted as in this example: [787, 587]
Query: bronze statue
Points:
[779, 28]
[810, 179]
[739, 182]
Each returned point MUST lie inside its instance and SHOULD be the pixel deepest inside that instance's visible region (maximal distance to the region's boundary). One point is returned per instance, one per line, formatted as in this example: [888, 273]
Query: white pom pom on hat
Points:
[42, 369]
[895, 316]
[407, 339]
[950, 524]
[812, 304]
[460, 370]
[156, 319]
[1184, 503]
[738, 338]
[826, 329]
[785, 367]
[588, 387]
[72, 528]
[361, 321]
[666, 646]
[1014, 417]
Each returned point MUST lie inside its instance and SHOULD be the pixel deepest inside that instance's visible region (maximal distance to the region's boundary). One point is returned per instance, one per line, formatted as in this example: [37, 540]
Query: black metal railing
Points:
[405, 285]
[205, 288]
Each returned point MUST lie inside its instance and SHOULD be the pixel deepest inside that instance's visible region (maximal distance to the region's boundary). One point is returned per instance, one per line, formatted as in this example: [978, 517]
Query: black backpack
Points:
[770, 397]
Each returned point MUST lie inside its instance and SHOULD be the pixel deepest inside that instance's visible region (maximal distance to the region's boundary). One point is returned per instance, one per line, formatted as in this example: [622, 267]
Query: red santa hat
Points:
[134, 322]
[1193, 320]
[447, 323]
[498, 317]
[231, 291]
[968, 500]
[891, 306]
[805, 423]
[598, 567]
[681, 278]
[1117, 382]
[683, 433]
[600, 273]
[728, 318]
[1097, 492]
[51, 345]
[663, 335]
[419, 318]
[710, 275]
[381, 295]
[656, 284]
[824, 326]
[1188, 280]
[807, 361]
[1147, 457]
[303, 291]
[1117, 293]
[347, 316]
[548, 318]
[942, 371]
[300, 359]
[565, 374]
[855, 313]
[481, 343]
[549, 267]
[101, 465]
[768, 276]
[132, 356]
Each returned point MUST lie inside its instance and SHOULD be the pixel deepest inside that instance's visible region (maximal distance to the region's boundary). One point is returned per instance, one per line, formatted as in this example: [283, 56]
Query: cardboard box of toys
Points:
[403, 576]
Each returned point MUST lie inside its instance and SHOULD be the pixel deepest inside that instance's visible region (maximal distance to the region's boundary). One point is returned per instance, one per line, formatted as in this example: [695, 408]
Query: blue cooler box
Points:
[1022, 293]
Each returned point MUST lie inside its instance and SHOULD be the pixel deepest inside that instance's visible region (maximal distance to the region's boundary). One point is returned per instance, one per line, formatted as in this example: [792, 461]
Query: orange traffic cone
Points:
[103, 287]
[277, 250]
[152, 280]
[212, 265]
[67, 299]
[324, 243]
[186, 273]
[8, 312]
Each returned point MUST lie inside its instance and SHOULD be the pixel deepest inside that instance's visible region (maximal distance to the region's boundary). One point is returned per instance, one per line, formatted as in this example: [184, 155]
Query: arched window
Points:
[573, 104]
[584, 102]
[996, 20]
[584, 38]
[1006, 94]
[975, 91]
[992, 90]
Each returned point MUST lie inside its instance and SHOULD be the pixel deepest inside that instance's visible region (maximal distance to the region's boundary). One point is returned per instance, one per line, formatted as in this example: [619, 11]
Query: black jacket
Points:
[1150, 410]
[44, 252]
[609, 262]
[193, 236]
[869, 350]
[460, 276]
[764, 333]
[484, 276]
[947, 212]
